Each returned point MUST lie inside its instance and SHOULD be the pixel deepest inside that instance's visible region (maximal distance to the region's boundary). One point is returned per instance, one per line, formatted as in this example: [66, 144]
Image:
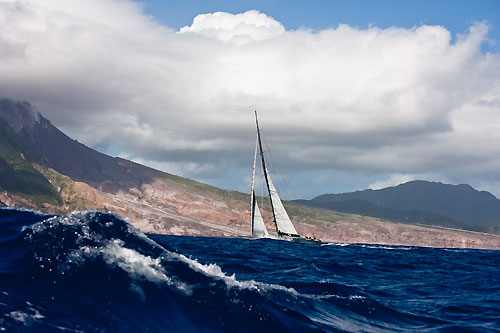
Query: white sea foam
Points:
[335, 244]
[385, 247]
[214, 271]
[356, 297]
[460, 250]
[137, 265]
[26, 318]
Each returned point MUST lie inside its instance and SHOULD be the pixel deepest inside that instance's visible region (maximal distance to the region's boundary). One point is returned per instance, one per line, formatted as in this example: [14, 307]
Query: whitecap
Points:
[335, 244]
[26, 318]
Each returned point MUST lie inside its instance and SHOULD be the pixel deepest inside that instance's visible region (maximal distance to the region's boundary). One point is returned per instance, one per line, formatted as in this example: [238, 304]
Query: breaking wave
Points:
[92, 271]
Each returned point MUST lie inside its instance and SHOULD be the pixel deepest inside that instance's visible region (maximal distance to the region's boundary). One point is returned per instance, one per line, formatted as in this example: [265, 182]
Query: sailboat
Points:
[284, 226]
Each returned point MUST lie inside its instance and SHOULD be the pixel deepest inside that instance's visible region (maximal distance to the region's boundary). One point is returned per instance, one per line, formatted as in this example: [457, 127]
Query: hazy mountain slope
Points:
[458, 206]
[56, 150]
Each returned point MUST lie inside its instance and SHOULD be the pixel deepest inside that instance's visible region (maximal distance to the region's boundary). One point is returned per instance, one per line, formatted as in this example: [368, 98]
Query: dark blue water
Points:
[95, 272]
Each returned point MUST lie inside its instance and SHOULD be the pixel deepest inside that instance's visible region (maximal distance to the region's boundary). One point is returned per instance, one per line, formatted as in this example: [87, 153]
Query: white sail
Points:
[257, 223]
[284, 226]
[258, 226]
[283, 223]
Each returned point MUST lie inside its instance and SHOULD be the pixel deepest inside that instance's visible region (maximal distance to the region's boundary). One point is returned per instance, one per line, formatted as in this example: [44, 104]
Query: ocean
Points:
[95, 272]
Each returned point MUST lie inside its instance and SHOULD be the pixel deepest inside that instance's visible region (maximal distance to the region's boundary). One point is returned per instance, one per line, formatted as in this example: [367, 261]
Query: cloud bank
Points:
[371, 103]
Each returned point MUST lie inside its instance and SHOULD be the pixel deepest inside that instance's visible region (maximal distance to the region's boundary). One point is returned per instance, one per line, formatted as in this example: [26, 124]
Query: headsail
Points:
[258, 226]
[257, 223]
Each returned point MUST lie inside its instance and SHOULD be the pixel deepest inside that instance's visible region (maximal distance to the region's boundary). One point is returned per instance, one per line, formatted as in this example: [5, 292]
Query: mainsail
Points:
[284, 226]
[283, 223]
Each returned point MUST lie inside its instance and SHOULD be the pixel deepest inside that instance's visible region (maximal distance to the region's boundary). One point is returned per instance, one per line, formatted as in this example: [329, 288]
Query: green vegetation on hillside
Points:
[18, 174]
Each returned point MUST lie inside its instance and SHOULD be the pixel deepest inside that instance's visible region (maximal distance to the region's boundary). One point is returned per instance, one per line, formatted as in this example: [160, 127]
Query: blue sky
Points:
[456, 15]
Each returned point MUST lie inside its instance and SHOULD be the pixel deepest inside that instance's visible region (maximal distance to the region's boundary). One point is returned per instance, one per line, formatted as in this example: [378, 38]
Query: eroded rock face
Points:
[388, 233]
[169, 207]
[172, 208]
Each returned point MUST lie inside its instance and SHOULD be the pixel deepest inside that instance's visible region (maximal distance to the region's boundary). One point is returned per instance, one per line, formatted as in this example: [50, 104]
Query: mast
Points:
[252, 193]
[265, 172]
[284, 226]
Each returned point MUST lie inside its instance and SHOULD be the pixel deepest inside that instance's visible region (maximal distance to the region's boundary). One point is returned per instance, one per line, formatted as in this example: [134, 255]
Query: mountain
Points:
[455, 206]
[44, 169]
[52, 148]
[18, 175]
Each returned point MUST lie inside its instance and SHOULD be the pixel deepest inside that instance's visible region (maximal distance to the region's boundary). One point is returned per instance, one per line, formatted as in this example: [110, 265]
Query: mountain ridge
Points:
[76, 177]
[432, 203]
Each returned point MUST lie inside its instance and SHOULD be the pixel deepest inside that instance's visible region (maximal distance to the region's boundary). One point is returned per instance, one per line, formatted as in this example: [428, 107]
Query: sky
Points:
[350, 94]
[455, 15]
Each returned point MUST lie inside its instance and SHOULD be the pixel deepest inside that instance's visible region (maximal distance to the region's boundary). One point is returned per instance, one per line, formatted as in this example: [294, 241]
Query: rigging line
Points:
[276, 167]
[286, 181]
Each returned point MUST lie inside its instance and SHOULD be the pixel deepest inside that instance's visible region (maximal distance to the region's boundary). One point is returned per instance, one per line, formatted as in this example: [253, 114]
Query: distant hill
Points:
[456, 206]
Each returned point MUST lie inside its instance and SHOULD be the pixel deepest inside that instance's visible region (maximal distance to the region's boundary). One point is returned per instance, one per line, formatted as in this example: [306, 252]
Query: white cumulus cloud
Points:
[239, 29]
[393, 180]
[362, 101]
